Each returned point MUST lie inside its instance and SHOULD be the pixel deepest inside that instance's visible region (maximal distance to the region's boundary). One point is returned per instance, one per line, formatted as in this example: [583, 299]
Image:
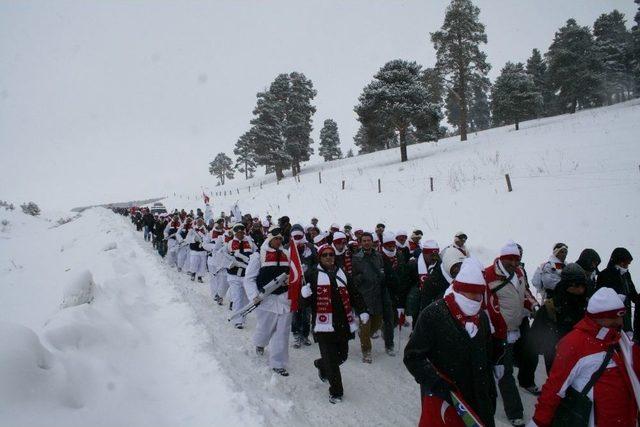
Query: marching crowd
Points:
[471, 324]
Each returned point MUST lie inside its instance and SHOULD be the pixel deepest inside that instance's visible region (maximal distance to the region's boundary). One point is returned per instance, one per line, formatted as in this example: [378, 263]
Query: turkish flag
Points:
[206, 198]
[295, 276]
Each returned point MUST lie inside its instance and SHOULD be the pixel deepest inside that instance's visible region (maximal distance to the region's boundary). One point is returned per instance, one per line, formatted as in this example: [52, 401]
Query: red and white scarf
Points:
[324, 306]
[423, 271]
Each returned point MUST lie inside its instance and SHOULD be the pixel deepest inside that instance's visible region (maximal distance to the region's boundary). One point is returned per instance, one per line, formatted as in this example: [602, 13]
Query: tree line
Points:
[405, 103]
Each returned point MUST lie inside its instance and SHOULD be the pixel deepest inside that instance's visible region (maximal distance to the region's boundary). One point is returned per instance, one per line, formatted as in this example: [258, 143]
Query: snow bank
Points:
[79, 291]
[121, 349]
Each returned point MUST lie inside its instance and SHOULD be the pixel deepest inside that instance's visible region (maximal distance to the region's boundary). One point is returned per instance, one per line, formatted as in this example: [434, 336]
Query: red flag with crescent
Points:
[295, 276]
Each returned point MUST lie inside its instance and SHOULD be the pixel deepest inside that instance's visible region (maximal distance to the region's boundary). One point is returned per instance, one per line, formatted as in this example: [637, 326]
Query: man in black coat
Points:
[559, 314]
[450, 349]
[617, 277]
[331, 297]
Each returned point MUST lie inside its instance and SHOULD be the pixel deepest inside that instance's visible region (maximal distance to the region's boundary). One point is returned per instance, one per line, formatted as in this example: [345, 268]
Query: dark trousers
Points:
[333, 353]
[388, 319]
[301, 322]
[526, 357]
[508, 389]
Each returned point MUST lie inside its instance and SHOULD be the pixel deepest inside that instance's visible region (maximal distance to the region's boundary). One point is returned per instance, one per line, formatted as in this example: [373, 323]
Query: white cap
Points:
[605, 303]
[510, 248]
[430, 244]
[388, 237]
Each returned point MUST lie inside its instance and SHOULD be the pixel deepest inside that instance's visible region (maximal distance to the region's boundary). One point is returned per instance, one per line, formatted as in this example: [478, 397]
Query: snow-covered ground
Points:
[151, 348]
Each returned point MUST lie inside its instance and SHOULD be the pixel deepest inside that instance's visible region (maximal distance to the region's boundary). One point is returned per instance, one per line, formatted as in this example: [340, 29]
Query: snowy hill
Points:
[575, 178]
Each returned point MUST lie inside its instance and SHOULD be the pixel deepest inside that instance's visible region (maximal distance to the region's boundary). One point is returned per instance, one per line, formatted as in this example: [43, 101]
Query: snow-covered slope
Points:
[576, 179]
[135, 355]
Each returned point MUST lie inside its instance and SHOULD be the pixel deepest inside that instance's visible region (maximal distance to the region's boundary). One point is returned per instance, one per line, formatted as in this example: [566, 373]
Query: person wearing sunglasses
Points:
[332, 299]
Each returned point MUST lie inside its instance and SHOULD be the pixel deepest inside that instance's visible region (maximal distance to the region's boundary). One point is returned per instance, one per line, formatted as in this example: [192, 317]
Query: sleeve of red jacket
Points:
[566, 358]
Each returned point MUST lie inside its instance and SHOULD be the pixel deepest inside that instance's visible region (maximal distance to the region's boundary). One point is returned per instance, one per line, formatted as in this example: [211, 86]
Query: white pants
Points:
[172, 254]
[198, 263]
[273, 329]
[183, 257]
[237, 295]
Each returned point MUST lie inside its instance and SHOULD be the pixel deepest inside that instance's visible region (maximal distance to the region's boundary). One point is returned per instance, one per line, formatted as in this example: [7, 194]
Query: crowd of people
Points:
[471, 324]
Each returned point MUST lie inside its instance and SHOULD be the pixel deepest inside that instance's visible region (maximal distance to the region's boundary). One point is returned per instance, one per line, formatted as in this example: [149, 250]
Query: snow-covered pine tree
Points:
[479, 107]
[514, 96]
[634, 50]
[397, 99]
[429, 128]
[330, 141]
[268, 127]
[349, 153]
[299, 120]
[574, 68]
[459, 58]
[221, 168]
[612, 41]
[244, 152]
[537, 69]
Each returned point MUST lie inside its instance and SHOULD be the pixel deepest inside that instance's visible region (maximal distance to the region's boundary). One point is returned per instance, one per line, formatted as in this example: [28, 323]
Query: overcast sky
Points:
[90, 89]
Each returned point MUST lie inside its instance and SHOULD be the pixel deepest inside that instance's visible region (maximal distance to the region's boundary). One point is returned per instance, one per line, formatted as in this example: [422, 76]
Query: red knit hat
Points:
[470, 278]
[324, 248]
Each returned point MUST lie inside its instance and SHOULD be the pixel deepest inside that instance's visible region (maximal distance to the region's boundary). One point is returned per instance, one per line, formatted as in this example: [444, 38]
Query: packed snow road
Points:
[378, 394]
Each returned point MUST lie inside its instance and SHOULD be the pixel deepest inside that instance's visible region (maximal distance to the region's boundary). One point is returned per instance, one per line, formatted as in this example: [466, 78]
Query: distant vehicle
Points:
[158, 208]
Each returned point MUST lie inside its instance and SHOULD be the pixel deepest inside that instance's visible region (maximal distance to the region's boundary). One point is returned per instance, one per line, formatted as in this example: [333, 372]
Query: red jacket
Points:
[579, 354]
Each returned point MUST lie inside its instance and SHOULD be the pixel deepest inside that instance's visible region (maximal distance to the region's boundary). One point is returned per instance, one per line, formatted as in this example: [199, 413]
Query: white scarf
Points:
[622, 270]
[389, 253]
[470, 308]
[344, 249]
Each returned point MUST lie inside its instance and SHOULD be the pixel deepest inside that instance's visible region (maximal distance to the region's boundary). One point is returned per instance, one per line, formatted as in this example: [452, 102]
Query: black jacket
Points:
[439, 345]
[610, 277]
[340, 323]
[369, 278]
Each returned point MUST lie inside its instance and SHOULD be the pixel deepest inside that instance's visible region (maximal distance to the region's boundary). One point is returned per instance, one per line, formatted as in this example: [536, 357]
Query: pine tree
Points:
[634, 50]
[537, 69]
[515, 96]
[459, 56]
[221, 168]
[397, 99]
[269, 125]
[428, 129]
[350, 153]
[612, 40]
[244, 152]
[298, 125]
[479, 108]
[574, 69]
[373, 136]
[330, 141]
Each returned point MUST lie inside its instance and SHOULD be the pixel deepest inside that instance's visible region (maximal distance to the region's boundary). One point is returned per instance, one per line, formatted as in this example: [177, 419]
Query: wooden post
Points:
[343, 184]
[261, 185]
[431, 183]
[320, 177]
[508, 182]
[238, 190]
[379, 187]
[249, 189]
[298, 176]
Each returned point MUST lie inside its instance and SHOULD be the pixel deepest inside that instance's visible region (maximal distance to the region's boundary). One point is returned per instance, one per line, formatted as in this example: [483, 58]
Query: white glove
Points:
[498, 371]
[364, 318]
[306, 291]
[400, 312]
[408, 321]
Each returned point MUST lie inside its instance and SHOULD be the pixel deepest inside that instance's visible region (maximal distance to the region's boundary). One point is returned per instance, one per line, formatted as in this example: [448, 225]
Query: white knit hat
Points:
[388, 237]
[339, 235]
[605, 303]
[335, 226]
[470, 277]
[319, 238]
[451, 257]
[401, 233]
[510, 249]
